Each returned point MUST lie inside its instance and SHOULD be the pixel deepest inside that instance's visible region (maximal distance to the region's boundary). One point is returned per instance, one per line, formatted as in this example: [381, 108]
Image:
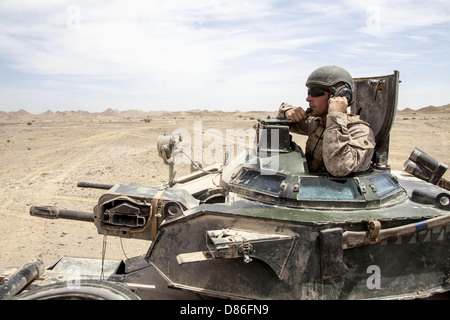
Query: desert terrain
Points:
[43, 156]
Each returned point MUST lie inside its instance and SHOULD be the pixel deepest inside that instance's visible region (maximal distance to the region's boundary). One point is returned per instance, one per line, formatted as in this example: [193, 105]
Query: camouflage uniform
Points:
[345, 145]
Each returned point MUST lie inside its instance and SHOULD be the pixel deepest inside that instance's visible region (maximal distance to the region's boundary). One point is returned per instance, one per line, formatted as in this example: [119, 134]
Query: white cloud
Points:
[206, 52]
[385, 17]
[171, 35]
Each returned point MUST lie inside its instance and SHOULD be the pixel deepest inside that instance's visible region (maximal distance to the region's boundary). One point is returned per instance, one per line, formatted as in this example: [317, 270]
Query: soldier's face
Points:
[318, 105]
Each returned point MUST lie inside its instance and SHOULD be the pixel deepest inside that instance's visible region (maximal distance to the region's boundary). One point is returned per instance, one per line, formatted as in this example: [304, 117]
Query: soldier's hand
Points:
[338, 104]
[296, 114]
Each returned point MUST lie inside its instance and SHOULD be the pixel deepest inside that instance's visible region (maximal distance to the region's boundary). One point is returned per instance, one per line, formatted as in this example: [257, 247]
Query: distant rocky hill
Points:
[429, 109]
[109, 113]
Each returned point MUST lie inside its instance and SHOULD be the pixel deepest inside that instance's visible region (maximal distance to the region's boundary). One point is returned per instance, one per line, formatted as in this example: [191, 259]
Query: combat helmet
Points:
[337, 79]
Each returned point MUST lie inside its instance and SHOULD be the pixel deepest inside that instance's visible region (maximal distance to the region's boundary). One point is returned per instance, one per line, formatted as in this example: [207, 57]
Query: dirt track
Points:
[43, 157]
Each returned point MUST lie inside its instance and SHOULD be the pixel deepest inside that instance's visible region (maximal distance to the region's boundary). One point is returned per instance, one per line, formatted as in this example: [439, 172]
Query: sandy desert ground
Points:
[43, 157]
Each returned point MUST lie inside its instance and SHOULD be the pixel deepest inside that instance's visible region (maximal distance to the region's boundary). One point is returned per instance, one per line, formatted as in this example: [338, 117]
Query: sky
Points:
[225, 55]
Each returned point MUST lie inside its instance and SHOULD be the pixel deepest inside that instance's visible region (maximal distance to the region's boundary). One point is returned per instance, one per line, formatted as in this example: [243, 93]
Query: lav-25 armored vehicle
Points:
[263, 227]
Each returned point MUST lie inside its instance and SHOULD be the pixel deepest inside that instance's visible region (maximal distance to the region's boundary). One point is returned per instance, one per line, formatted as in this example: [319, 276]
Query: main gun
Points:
[50, 212]
[127, 210]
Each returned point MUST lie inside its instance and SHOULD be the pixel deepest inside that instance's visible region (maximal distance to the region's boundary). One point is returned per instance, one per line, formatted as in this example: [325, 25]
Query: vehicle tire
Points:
[84, 290]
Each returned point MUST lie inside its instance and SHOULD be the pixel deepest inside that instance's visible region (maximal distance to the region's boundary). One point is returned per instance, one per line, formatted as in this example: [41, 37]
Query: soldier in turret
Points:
[338, 143]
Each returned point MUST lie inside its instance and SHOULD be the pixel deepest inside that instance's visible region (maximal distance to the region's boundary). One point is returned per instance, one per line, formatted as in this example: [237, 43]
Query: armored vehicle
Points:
[263, 227]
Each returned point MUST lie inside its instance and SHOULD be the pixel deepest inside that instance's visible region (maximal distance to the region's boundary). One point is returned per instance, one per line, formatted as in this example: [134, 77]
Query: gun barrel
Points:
[94, 185]
[51, 212]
